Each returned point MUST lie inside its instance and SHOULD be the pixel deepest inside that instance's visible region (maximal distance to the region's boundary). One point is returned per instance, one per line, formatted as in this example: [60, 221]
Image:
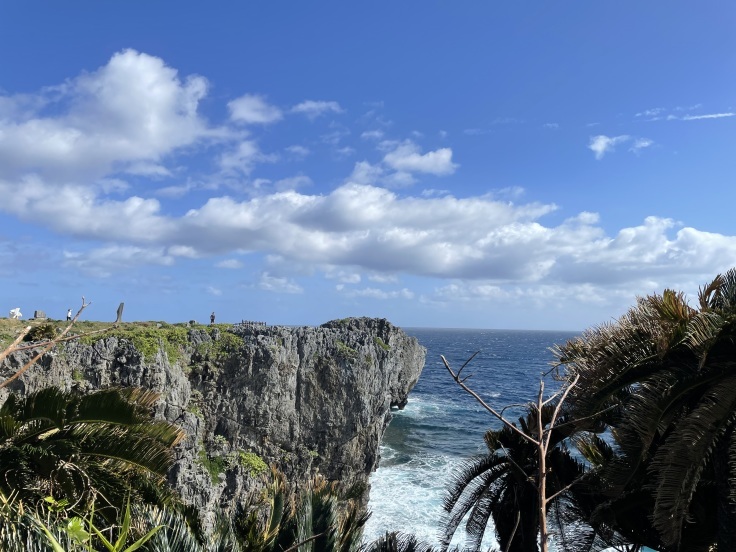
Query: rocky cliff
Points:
[305, 399]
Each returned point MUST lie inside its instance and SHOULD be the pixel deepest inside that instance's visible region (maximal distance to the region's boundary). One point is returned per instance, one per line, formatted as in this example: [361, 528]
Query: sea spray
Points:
[441, 425]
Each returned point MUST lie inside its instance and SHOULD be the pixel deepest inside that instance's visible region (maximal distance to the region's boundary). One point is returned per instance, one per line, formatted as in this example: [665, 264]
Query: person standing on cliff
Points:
[68, 315]
[212, 318]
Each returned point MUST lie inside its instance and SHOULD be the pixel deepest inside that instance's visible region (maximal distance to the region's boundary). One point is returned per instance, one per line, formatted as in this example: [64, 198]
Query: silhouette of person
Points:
[68, 315]
[212, 317]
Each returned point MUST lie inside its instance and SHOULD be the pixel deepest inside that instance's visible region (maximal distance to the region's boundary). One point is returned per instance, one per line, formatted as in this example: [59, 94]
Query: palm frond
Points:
[474, 478]
[677, 465]
[397, 542]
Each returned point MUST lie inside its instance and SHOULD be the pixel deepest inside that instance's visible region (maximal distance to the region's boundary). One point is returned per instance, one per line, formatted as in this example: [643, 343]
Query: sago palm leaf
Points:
[350, 529]
[175, 536]
[141, 446]
[678, 464]
[58, 443]
[397, 542]
[724, 297]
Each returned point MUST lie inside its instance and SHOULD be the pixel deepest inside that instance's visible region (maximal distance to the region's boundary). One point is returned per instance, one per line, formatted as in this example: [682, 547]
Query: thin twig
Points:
[485, 405]
[578, 420]
[46, 347]
[558, 407]
[305, 541]
[466, 363]
[65, 339]
[514, 405]
[553, 396]
[566, 488]
[513, 462]
[11, 347]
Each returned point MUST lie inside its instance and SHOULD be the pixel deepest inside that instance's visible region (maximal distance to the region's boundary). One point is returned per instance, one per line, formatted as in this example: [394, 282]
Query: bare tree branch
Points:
[485, 405]
[542, 441]
[556, 413]
[12, 346]
[48, 345]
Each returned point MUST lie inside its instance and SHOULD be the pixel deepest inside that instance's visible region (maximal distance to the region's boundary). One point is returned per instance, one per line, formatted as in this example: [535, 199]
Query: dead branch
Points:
[556, 413]
[13, 345]
[48, 345]
[542, 441]
[486, 406]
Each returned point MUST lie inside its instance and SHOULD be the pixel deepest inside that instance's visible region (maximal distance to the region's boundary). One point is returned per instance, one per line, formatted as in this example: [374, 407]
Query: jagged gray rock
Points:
[305, 399]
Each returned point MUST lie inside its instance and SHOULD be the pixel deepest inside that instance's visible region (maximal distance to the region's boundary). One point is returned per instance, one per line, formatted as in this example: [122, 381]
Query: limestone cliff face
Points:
[306, 399]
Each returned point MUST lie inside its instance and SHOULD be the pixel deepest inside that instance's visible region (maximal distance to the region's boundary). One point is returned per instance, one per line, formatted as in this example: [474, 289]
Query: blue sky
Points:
[530, 165]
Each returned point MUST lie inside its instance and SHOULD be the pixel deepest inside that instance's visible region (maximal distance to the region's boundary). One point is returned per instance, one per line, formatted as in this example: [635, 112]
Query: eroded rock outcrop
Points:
[306, 399]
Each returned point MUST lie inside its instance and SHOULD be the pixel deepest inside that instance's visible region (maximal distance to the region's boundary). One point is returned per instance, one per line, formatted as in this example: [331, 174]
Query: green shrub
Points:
[227, 344]
[214, 465]
[41, 333]
[252, 463]
[194, 409]
[346, 352]
[149, 339]
[382, 344]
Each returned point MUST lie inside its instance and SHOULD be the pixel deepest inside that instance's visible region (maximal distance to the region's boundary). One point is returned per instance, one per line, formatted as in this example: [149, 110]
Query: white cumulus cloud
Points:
[641, 143]
[84, 160]
[602, 144]
[407, 157]
[252, 109]
[375, 293]
[230, 263]
[131, 112]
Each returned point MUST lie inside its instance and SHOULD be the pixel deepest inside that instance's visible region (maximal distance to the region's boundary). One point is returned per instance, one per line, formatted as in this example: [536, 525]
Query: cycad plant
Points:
[397, 542]
[318, 522]
[314, 521]
[660, 383]
[502, 486]
[98, 447]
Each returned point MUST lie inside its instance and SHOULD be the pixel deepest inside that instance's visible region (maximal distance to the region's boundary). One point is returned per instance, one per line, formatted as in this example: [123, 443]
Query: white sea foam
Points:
[408, 487]
[408, 498]
[441, 425]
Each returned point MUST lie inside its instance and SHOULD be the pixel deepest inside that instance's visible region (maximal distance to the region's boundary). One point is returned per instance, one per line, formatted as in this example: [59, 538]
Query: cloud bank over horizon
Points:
[125, 167]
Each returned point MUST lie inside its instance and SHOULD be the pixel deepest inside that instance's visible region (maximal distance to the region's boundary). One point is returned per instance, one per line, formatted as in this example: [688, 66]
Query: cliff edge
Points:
[307, 399]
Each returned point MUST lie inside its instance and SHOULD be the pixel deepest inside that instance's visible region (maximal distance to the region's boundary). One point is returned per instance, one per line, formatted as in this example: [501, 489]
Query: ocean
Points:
[441, 425]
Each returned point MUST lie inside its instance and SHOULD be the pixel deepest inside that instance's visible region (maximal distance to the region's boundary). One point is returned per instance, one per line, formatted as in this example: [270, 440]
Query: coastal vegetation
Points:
[647, 404]
[635, 447]
[316, 515]
[149, 338]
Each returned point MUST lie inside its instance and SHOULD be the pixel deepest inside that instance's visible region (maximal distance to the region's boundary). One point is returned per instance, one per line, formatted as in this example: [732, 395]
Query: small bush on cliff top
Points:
[42, 332]
[228, 343]
[148, 339]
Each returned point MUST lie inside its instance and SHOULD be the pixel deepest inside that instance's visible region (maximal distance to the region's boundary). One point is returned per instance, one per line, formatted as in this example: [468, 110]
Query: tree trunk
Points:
[542, 480]
[542, 488]
[726, 490]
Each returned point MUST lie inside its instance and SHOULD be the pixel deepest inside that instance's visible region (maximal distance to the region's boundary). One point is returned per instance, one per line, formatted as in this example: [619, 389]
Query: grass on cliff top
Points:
[146, 336]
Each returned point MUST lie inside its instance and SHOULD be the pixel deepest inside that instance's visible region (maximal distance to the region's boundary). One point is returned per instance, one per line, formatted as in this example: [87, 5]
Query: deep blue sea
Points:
[441, 425]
